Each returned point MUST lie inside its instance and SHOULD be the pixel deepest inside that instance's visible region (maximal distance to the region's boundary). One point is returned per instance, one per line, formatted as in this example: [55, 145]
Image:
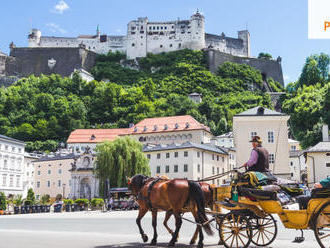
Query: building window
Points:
[48, 184]
[161, 46]
[167, 169]
[39, 173]
[171, 45]
[270, 137]
[291, 163]
[212, 156]
[293, 148]
[217, 157]
[223, 159]
[213, 170]
[158, 169]
[5, 164]
[59, 171]
[327, 164]
[148, 156]
[186, 154]
[158, 155]
[59, 183]
[176, 154]
[185, 168]
[18, 181]
[133, 44]
[4, 180]
[271, 158]
[38, 184]
[176, 168]
[198, 154]
[167, 155]
[49, 172]
[11, 181]
[253, 134]
[218, 170]
[198, 168]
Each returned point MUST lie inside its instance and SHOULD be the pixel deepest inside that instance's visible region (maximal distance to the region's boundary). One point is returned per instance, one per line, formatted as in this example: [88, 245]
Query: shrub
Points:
[3, 202]
[45, 199]
[68, 201]
[97, 202]
[28, 203]
[18, 200]
[30, 197]
[82, 202]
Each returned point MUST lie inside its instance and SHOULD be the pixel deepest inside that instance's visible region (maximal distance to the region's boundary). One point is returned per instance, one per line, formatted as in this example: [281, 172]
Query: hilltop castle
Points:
[152, 37]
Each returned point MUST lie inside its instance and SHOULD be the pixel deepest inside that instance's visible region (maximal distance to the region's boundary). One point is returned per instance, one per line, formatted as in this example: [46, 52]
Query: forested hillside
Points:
[44, 110]
[308, 100]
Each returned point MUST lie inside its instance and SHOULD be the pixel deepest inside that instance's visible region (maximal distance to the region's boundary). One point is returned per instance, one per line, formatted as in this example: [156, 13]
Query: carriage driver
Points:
[259, 158]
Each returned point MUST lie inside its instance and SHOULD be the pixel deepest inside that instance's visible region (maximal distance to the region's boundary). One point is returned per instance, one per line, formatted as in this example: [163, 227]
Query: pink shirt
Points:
[253, 158]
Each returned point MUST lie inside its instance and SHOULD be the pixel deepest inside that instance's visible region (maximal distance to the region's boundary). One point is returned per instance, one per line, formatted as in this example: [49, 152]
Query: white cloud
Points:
[60, 7]
[55, 28]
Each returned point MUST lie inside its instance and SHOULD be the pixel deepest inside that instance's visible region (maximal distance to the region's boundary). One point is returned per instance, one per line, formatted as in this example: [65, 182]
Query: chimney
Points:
[325, 133]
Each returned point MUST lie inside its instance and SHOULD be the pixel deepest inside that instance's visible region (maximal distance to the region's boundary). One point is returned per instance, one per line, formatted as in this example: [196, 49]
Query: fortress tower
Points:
[245, 36]
[136, 39]
[197, 33]
[34, 38]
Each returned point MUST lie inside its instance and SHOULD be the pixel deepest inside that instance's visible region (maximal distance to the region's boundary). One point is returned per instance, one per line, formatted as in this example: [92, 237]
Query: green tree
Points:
[3, 201]
[45, 199]
[264, 56]
[30, 196]
[118, 159]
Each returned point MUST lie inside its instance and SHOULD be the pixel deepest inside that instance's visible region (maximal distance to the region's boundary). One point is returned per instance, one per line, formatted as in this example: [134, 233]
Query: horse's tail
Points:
[196, 193]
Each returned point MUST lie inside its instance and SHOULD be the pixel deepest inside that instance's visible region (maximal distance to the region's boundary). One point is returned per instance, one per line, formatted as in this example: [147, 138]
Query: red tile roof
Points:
[149, 125]
[96, 135]
[168, 124]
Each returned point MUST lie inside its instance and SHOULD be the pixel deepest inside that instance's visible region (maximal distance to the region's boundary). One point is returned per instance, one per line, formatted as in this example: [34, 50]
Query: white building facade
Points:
[272, 127]
[145, 37]
[11, 165]
[187, 160]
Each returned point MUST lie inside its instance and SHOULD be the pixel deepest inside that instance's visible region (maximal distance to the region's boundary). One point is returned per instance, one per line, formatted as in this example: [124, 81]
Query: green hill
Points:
[44, 110]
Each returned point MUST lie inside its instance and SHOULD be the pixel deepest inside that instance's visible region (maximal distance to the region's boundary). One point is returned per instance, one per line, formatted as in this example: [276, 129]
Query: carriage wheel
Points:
[235, 231]
[264, 230]
[321, 221]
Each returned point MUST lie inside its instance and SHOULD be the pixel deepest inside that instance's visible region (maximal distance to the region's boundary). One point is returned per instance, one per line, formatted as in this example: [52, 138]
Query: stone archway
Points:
[85, 188]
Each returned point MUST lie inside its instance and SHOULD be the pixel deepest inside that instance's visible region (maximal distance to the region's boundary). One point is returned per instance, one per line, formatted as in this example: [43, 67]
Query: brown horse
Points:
[207, 191]
[169, 195]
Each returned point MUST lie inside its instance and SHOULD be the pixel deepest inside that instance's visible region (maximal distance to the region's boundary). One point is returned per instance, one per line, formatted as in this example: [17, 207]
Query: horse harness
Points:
[147, 199]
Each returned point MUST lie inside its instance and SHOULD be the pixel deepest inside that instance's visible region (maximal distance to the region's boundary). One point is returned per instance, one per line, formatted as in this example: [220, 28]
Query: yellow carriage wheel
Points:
[235, 230]
[264, 230]
[321, 224]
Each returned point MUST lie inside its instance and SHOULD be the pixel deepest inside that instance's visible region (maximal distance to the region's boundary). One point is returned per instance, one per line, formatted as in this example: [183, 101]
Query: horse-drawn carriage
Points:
[243, 213]
[250, 216]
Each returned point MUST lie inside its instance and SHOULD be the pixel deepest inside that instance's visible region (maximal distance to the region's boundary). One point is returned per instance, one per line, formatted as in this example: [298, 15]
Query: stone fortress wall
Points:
[152, 37]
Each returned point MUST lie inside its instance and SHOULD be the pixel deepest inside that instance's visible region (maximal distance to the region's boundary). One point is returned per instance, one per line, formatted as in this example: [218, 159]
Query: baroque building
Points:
[144, 36]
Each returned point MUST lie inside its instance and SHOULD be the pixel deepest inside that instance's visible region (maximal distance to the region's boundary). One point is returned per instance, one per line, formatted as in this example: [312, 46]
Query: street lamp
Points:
[63, 190]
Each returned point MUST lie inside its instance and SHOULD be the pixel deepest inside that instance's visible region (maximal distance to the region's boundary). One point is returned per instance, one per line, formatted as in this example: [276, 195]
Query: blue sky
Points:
[278, 27]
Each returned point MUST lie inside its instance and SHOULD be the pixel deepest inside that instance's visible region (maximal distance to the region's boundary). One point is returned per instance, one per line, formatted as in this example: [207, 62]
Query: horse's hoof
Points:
[200, 246]
[220, 242]
[192, 242]
[170, 244]
[153, 243]
[144, 238]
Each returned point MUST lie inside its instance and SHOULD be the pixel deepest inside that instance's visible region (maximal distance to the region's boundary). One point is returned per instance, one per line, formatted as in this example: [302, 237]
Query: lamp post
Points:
[63, 190]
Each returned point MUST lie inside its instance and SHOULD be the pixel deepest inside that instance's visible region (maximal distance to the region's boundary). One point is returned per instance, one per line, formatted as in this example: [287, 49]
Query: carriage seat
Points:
[257, 194]
[316, 193]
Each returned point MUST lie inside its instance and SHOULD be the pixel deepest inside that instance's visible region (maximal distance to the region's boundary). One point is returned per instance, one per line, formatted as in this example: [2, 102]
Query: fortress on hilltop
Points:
[65, 55]
[145, 37]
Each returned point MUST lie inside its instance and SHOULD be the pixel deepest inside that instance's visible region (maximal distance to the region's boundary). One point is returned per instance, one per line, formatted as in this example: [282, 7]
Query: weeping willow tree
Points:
[118, 159]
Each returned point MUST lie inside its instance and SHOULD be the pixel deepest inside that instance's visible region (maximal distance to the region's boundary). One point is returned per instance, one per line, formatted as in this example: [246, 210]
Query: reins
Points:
[217, 175]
